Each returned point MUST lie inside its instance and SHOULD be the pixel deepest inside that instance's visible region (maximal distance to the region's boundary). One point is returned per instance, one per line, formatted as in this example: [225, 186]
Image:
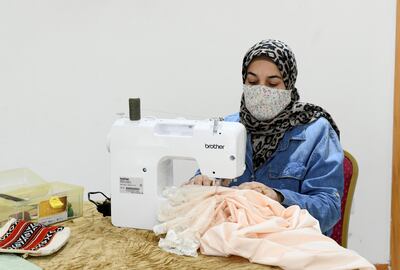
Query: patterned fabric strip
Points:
[28, 235]
[45, 237]
[29, 231]
[13, 232]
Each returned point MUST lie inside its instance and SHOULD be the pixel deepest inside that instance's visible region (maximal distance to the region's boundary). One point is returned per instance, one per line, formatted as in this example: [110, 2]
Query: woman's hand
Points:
[263, 189]
[203, 180]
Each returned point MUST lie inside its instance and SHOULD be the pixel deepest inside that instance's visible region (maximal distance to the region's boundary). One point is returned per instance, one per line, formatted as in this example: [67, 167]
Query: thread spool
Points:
[134, 109]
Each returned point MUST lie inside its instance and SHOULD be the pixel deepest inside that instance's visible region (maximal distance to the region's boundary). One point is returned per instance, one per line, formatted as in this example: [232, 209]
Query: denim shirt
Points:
[306, 168]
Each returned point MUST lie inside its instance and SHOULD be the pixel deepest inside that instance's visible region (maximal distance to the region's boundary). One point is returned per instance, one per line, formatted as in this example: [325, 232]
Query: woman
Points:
[293, 153]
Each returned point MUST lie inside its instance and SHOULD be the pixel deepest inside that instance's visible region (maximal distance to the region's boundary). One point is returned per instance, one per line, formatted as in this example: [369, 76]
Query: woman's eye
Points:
[274, 83]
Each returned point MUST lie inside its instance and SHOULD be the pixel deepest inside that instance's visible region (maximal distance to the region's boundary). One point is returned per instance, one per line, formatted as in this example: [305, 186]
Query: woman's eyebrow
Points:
[274, 76]
[251, 73]
[269, 77]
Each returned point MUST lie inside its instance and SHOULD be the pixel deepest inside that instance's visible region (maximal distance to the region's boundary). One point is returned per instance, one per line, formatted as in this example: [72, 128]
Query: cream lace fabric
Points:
[185, 218]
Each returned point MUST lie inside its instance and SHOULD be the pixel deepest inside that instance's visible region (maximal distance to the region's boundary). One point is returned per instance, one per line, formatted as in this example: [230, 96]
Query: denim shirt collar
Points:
[294, 134]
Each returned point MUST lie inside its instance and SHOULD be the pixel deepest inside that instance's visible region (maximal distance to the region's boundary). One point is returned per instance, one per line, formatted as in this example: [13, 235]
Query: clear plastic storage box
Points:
[25, 195]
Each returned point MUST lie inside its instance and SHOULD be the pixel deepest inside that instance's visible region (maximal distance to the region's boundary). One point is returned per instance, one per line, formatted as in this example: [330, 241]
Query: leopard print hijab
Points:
[266, 135]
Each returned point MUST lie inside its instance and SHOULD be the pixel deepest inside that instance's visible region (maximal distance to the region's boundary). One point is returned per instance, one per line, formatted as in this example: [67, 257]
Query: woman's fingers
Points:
[198, 180]
[263, 189]
[225, 182]
[201, 180]
[256, 186]
[207, 181]
[245, 185]
[251, 185]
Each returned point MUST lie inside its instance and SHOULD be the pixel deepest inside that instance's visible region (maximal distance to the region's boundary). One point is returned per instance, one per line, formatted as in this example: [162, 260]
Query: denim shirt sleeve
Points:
[322, 188]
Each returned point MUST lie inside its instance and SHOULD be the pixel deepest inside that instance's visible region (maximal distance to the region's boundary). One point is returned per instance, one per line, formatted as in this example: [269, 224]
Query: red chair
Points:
[340, 230]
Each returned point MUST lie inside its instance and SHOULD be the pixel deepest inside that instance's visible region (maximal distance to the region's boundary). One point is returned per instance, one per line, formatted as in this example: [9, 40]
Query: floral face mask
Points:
[264, 102]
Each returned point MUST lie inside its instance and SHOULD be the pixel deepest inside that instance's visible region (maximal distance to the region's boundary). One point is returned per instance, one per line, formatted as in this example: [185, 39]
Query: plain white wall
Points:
[67, 67]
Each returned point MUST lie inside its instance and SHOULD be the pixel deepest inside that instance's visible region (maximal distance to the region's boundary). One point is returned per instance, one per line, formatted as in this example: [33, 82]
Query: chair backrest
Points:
[340, 230]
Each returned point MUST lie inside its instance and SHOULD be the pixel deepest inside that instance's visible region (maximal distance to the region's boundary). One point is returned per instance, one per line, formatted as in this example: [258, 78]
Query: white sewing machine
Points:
[141, 161]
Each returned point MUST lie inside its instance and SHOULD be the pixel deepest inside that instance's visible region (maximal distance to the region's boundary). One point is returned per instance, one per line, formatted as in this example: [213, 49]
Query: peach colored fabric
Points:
[226, 221]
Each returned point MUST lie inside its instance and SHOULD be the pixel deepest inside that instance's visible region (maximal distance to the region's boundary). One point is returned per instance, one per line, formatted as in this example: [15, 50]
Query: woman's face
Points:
[263, 71]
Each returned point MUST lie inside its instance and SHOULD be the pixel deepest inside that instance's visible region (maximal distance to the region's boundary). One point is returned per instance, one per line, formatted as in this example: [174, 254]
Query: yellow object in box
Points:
[56, 203]
[25, 195]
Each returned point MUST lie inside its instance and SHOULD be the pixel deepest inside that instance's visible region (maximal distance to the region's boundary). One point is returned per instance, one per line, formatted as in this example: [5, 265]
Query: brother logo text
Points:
[214, 146]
